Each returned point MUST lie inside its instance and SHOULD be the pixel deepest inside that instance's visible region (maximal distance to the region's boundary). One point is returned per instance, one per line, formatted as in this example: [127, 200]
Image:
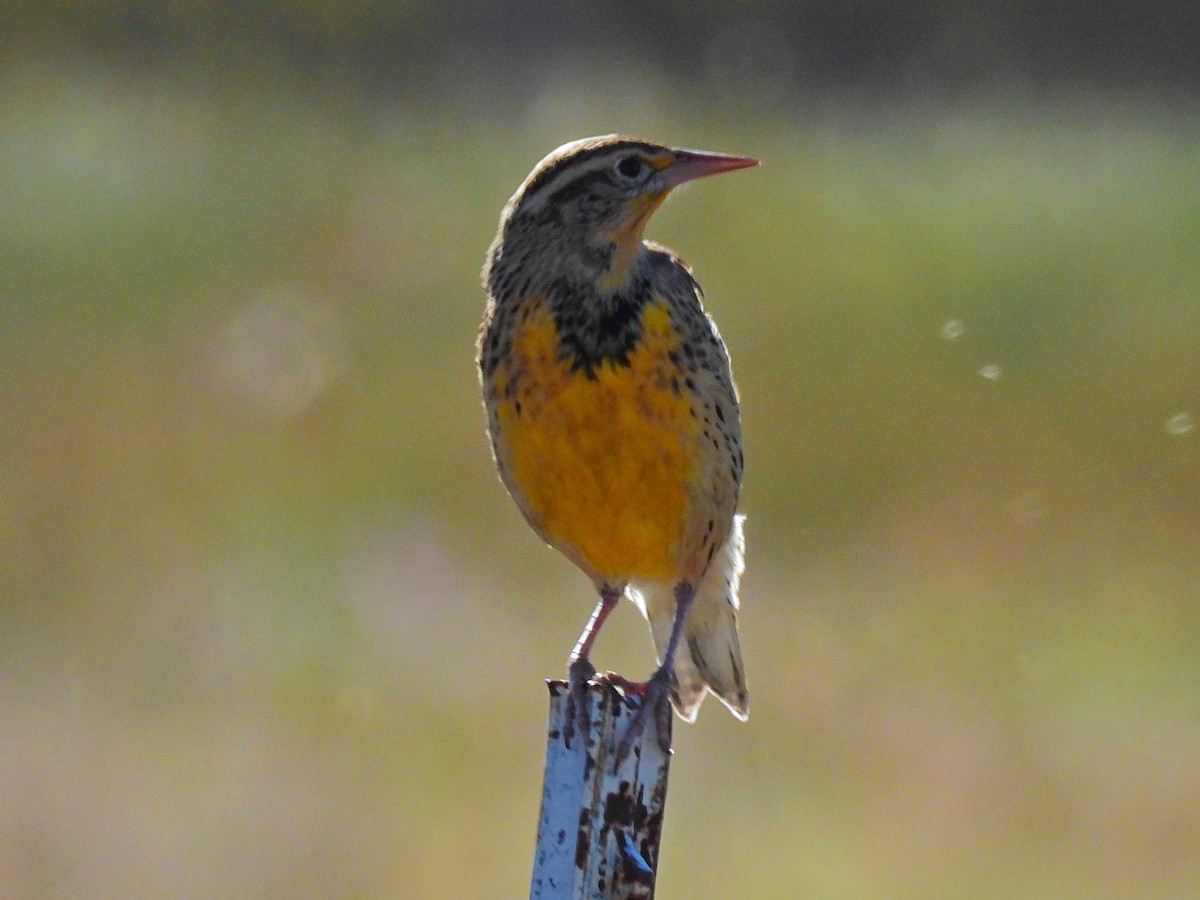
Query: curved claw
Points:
[579, 673]
[655, 701]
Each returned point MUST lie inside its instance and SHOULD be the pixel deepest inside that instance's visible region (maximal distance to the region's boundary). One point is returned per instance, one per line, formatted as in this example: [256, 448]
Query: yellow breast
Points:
[601, 464]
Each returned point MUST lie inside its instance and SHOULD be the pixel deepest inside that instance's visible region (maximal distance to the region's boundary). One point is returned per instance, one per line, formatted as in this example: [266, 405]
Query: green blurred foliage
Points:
[269, 626]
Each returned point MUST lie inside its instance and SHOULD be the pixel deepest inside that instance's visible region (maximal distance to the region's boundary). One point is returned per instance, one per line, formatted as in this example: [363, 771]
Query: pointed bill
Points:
[690, 164]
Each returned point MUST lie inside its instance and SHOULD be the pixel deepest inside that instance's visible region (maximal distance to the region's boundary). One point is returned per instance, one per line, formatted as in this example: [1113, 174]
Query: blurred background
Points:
[269, 625]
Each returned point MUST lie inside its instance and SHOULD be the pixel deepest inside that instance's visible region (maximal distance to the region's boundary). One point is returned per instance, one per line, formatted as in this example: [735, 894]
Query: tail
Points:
[709, 657]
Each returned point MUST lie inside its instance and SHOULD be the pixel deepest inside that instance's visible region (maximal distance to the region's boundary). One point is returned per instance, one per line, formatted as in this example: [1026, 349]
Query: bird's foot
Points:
[655, 695]
[576, 719]
[623, 684]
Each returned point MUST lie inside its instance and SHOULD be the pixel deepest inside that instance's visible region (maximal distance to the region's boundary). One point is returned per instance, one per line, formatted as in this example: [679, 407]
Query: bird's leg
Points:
[580, 669]
[658, 686]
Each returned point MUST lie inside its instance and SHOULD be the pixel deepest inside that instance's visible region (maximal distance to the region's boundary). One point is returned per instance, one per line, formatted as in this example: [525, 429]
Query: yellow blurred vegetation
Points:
[269, 626]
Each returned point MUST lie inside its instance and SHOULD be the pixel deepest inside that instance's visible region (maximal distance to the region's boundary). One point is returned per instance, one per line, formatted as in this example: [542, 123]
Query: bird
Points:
[613, 415]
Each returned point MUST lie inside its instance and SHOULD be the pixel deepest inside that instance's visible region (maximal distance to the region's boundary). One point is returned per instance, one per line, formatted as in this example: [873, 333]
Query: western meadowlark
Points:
[613, 414]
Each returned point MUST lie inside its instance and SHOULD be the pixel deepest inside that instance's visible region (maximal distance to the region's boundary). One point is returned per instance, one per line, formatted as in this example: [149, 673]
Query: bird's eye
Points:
[631, 167]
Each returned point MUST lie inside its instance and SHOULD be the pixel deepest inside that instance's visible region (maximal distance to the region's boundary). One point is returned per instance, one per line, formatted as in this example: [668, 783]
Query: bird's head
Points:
[589, 200]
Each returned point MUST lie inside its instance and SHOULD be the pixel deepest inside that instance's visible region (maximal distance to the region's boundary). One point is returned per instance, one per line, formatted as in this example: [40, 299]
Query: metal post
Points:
[601, 818]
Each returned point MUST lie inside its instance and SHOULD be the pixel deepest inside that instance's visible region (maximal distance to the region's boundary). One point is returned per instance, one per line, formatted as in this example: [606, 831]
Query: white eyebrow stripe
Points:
[576, 169]
[577, 159]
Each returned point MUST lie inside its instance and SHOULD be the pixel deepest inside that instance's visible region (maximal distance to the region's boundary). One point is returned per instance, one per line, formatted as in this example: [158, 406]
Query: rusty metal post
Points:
[601, 819]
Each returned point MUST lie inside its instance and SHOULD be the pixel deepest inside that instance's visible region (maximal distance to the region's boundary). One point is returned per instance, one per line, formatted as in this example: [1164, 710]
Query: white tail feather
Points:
[709, 656]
